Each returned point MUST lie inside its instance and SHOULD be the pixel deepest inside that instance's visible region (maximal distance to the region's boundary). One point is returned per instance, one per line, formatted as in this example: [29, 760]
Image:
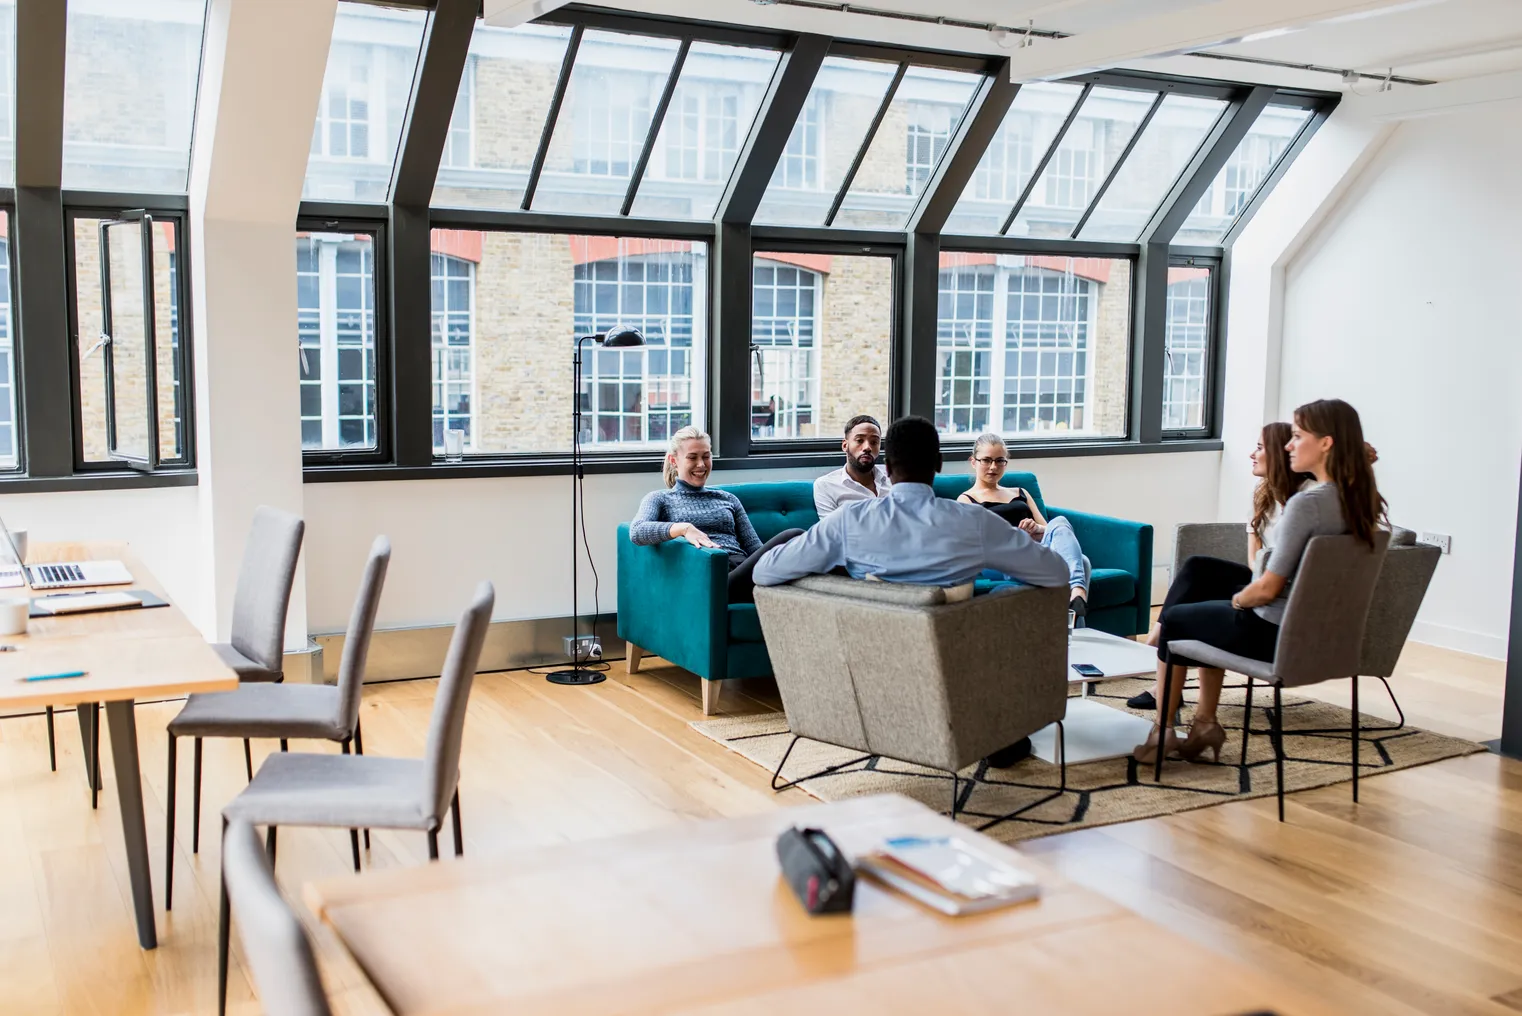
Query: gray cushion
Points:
[245, 668]
[901, 593]
[1402, 537]
[264, 710]
[1207, 655]
[357, 791]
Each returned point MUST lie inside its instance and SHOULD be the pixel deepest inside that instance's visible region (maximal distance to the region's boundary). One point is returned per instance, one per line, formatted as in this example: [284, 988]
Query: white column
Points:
[1304, 198]
[261, 77]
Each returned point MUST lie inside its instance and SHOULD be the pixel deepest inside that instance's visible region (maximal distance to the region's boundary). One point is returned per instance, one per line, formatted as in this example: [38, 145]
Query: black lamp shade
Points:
[624, 337]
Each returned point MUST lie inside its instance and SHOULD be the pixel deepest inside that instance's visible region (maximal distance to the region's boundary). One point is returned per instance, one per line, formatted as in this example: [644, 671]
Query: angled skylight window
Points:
[711, 112]
[499, 115]
[7, 150]
[1094, 143]
[129, 93]
[610, 102]
[1033, 120]
[365, 90]
[826, 140]
[1172, 136]
[915, 130]
[1243, 176]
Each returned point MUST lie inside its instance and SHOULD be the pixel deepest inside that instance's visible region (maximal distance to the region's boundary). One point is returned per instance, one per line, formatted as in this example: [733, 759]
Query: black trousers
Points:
[1198, 608]
[742, 588]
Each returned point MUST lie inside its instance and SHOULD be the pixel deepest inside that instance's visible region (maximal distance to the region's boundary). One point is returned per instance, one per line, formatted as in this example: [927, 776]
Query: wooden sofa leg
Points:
[635, 655]
[711, 691]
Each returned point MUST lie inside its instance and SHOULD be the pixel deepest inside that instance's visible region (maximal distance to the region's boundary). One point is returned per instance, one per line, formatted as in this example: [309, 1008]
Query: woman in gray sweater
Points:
[1327, 442]
[688, 510]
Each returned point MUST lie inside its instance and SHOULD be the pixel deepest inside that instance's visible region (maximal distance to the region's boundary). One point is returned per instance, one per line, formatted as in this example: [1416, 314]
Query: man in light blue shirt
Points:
[911, 535]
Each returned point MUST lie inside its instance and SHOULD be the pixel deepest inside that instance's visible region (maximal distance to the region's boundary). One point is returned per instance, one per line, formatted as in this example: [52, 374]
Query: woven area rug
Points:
[1104, 792]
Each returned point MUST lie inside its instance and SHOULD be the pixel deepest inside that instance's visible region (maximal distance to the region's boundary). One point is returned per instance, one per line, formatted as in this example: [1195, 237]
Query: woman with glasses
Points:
[990, 458]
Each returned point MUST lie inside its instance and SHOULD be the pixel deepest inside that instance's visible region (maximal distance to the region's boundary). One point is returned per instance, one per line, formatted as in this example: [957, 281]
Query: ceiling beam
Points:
[1448, 97]
[1194, 28]
[512, 13]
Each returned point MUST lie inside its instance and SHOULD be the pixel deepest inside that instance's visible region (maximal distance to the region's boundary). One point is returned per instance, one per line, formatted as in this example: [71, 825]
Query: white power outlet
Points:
[1442, 541]
[584, 648]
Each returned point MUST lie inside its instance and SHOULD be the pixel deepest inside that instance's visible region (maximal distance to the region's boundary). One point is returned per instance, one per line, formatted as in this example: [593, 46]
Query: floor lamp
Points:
[620, 338]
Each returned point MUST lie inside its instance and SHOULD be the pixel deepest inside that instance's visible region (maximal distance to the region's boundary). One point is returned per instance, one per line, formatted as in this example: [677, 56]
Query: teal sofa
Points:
[673, 597]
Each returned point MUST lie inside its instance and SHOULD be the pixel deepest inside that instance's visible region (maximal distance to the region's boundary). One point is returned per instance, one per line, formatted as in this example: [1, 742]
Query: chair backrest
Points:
[1321, 636]
[351, 665]
[264, 586]
[1398, 595]
[954, 485]
[280, 958]
[778, 505]
[1225, 540]
[441, 755]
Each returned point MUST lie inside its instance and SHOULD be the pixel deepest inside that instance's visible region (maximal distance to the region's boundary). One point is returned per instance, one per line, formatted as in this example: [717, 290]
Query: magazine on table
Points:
[949, 874]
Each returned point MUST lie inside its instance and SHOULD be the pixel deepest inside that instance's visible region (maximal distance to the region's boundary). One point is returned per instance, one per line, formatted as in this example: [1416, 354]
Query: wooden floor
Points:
[1410, 902]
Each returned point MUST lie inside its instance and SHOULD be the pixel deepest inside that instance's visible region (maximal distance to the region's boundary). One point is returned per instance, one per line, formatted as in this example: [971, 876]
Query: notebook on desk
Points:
[60, 604]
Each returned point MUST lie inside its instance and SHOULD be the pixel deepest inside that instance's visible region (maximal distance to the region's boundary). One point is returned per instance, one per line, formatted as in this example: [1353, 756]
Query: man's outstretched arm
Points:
[817, 552]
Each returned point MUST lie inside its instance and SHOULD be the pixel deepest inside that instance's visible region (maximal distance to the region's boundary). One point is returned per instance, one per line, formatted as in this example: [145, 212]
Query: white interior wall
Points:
[1405, 303]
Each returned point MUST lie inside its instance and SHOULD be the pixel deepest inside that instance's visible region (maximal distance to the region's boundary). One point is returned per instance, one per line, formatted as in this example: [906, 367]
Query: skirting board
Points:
[1445, 637]
[400, 653]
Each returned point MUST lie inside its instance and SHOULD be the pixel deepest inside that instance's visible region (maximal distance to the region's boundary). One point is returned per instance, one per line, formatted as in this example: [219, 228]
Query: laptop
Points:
[63, 574]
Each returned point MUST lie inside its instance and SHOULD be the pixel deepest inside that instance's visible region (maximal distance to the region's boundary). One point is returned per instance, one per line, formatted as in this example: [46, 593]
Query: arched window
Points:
[643, 394]
[784, 337]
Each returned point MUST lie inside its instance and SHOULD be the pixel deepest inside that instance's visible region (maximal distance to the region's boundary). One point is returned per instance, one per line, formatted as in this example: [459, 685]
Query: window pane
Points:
[1090, 147]
[1237, 182]
[507, 309]
[1011, 157]
[7, 96]
[914, 133]
[1034, 347]
[364, 100]
[829, 132]
[335, 335]
[821, 332]
[709, 118]
[499, 115]
[1172, 138]
[609, 102]
[1187, 348]
[10, 443]
[129, 93]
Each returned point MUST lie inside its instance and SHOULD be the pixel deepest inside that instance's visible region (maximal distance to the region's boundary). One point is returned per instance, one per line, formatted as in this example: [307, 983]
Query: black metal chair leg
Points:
[359, 749]
[224, 928]
[354, 846]
[1164, 721]
[269, 845]
[284, 745]
[1394, 702]
[92, 761]
[1355, 740]
[195, 802]
[953, 797]
[248, 760]
[459, 838]
[53, 744]
[1246, 722]
[1278, 736]
[827, 770]
[1062, 786]
[169, 830]
[433, 844]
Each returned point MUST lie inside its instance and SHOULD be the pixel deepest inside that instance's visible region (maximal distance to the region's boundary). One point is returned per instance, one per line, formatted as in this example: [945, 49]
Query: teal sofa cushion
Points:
[773, 507]
[744, 623]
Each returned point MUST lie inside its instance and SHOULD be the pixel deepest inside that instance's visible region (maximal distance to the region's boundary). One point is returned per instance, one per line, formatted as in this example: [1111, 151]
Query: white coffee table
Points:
[1094, 731]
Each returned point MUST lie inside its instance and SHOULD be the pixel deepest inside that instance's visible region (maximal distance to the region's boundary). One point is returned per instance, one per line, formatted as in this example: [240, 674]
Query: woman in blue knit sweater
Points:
[688, 510]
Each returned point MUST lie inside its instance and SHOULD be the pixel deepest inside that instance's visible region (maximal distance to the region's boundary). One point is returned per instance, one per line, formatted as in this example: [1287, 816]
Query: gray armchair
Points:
[895, 670]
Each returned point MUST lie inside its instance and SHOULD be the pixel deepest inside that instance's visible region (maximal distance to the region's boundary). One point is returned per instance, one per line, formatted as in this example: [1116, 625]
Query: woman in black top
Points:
[990, 458]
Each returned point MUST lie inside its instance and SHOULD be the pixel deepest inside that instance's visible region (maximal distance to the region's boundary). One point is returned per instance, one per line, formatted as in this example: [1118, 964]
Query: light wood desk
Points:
[696, 919]
[129, 654]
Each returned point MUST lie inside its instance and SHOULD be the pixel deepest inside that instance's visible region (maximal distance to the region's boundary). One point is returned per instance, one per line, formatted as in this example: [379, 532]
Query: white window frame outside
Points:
[328, 345]
[803, 162]
[462, 123]
[1186, 354]
[441, 350]
[344, 58]
[700, 132]
[1072, 169]
[929, 123]
[627, 98]
[793, 368]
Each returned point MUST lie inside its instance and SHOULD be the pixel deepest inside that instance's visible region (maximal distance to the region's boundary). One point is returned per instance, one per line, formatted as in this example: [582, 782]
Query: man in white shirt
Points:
[862, 477]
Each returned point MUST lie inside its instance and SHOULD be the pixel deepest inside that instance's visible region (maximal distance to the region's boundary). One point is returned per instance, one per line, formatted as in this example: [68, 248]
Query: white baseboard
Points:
[1445, 637]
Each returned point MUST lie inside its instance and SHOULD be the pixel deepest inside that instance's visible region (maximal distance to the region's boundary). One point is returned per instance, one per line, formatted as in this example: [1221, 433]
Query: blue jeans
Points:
[1059, 536]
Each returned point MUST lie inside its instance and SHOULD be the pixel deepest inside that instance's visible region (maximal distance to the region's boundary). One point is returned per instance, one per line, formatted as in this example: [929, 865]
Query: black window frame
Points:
[1215, 328]
[376, 226]
[18, 398]
[89, 206]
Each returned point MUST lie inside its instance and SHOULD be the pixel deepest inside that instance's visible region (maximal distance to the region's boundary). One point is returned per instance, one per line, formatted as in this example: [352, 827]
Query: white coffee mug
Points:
[13, 615]
[18, 537]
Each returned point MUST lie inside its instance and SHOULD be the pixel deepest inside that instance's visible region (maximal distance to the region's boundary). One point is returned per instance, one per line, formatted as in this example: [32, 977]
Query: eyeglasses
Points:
[984, 461]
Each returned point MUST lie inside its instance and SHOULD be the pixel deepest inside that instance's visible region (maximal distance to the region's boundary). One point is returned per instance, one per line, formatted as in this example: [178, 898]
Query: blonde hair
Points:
[988, 439]
[675, 446]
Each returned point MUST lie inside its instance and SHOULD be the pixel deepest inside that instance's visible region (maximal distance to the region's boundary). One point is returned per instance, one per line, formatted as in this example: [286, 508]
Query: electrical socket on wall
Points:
[583, 648]
[1442, 541]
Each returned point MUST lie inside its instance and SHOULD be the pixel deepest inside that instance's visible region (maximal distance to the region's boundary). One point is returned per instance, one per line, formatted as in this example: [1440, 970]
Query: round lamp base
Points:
[577, 677]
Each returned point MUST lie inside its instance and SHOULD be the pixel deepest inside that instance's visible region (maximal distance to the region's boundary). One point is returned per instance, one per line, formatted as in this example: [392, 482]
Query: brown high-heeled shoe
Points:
[1208, 734]
[1146, 754]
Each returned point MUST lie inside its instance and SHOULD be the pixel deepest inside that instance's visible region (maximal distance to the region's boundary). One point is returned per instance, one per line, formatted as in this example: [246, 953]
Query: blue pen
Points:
[54, 677]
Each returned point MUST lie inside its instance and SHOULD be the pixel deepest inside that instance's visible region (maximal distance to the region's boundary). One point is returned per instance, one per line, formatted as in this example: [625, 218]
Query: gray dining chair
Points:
[368, 791]
[280, 959]
[284, 711]
[1321, 637]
